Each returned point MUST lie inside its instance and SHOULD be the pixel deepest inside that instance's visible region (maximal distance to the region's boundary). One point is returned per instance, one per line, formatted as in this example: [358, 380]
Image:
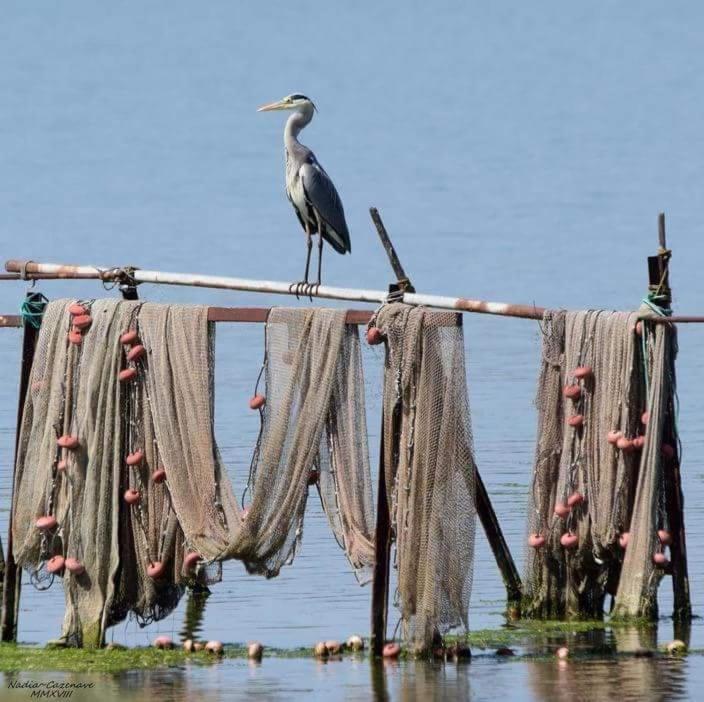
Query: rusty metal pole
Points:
[13, 576]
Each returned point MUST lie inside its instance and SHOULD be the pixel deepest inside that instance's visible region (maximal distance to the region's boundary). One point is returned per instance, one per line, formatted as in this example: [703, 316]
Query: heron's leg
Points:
[320, 257]
[300, 286]
[316, 285]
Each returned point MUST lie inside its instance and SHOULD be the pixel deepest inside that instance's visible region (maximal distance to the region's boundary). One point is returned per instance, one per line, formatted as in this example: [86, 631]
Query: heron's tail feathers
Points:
[340, 241]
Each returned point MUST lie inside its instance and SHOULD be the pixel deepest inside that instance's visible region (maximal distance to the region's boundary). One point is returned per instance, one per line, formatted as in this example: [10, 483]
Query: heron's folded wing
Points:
[322, 196]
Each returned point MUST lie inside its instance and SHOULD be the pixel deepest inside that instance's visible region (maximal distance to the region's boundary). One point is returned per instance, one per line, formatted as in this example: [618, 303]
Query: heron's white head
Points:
[296, 101]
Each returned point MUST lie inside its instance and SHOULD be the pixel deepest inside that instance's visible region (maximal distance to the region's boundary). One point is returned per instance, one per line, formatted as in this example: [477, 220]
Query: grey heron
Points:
[309, 188]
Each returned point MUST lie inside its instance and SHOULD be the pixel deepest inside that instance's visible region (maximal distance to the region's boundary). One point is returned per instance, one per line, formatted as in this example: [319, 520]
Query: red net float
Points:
[625, 445]
[569, 540]
[159, 476]
[129, 337]
[645, 417]
[660, 559]
[576, 420]
[572, 392]
[214, 647]
[257, 402]
[55, 564]
[73, 565]
[135, 458]
[334, 647]
[127, 375]
[190, 561]
[374, 336]
[68, 441]
[83, 321]
[575, 499]
[136, 352]
[163, 642]
[156, 569]
[613, 436]
[77, 310]
[665, 537]
[62, 465]
[132, 496]
[583, 372]
[638, 442]
[46, 523]
[624, 539]
[75, 337]
[561, 509]
[638, 329]
[391, 650]
[536, 540]
[255, 651]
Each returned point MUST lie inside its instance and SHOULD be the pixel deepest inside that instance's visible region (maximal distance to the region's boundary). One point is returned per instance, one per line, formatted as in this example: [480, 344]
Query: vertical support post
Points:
[382, 553]
[13, 576]
[658, 269]
[497, 543]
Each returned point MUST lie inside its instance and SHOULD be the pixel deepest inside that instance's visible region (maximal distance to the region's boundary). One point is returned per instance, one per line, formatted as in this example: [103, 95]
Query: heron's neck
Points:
[295, 123]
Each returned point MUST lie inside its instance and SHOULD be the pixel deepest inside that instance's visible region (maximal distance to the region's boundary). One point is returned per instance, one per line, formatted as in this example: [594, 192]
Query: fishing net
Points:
[598, 497]
[429, 469]
[151, 435]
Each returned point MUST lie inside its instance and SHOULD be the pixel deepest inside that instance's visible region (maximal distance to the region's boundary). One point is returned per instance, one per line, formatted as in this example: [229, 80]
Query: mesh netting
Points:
[596, 453]
[429, 469]
[133, 553]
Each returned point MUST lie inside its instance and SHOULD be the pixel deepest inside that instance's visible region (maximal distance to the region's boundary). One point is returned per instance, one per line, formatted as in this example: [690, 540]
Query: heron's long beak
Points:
[280, 105]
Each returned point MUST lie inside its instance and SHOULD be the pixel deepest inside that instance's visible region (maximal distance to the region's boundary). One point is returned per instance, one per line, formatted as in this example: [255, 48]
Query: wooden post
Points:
[382, 553]
[659, 283]
[13, 576]
[402, 280]
[499, 548]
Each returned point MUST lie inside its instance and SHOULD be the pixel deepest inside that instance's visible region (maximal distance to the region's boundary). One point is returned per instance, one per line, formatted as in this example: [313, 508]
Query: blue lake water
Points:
[517, 152]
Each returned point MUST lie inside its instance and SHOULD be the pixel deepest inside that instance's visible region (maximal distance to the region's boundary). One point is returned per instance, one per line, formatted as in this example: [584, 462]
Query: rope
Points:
[32, 310]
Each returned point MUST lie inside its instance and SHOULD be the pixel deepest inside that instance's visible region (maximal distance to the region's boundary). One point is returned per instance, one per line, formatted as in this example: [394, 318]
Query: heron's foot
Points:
[298, 288]
[312, 289]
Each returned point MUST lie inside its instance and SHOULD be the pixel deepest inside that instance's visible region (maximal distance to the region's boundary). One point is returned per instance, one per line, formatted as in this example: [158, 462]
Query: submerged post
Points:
[497, 543]
[382, 552]
[13, 576]
[659, 284]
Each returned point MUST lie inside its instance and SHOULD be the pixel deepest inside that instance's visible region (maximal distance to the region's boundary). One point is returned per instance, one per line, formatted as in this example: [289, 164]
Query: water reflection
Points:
[195, 611]
[622, 675]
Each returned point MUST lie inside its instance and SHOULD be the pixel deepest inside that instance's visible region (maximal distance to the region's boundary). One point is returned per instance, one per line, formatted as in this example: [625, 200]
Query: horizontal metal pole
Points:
[38, 270]
[10, 320]
[33, 270]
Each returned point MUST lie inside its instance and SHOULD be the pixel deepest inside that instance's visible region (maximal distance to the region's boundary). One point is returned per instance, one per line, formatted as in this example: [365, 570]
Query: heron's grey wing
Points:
[322, 196]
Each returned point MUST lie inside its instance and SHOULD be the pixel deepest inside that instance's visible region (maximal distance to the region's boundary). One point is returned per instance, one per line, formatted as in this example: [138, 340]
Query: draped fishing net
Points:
[429, 469]
[598, 496]
[153, 436]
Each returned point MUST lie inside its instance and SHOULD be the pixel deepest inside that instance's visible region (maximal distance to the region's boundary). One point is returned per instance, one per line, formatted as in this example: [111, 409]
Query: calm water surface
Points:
[517, 152]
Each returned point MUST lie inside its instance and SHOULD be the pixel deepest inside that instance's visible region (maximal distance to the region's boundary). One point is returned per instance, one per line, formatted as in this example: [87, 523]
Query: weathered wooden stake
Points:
[13, 576]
